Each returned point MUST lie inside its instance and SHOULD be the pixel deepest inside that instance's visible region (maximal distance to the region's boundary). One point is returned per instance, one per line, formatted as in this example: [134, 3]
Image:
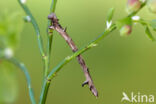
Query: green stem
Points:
[24, 69]
[50, 37]
[35, 25]
[67, 60]
[53, 6]
[51, 75]
[43, 95]
[44, 92]
[82, 50]
[134, 13]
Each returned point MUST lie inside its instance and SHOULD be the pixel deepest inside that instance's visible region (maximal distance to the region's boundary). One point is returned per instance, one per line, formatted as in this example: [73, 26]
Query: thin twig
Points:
[57, 26]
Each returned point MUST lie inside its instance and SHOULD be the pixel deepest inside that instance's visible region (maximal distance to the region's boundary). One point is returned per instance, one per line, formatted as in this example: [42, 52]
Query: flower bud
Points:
[27, 19]
[152, 5]
[23, 1]
[125, 30]
[8, 53]
[133, 5]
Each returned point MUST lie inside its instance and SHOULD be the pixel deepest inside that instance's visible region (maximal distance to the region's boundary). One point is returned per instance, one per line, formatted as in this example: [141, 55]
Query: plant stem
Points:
[67, 60]
[35, 25]
[57, 26]
[82, 50]
[134, 13]
[49, 47]
[50, 37]
[52, 74]
[53, 6]
[24, 69]
[44, 91]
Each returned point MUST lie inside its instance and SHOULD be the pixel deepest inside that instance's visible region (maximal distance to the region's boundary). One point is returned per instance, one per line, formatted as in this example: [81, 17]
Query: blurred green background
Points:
[118, 64]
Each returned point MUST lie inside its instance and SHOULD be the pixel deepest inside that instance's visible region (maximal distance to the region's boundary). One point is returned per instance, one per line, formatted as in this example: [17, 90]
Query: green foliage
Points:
[147, 26]
[151, 5]
[110, 14]
[8, 83]
[124, 25]
[153, 24]
[124, 21]
[149, 34]
[10, 28]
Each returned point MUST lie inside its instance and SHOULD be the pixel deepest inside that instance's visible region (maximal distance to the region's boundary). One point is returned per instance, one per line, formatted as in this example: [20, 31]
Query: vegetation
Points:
[10, 36]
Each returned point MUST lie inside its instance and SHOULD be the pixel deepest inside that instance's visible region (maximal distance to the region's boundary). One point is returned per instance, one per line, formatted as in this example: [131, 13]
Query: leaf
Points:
[143, 22]
[123, 22]
[8, 83]
[153, 24]
[110, 14]
[10, 28]
[149, 34]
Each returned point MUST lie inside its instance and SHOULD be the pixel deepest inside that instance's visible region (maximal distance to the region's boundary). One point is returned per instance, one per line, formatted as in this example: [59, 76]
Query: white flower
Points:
[108, 24]
[8, 52]
[23, 1]
[136, 18]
